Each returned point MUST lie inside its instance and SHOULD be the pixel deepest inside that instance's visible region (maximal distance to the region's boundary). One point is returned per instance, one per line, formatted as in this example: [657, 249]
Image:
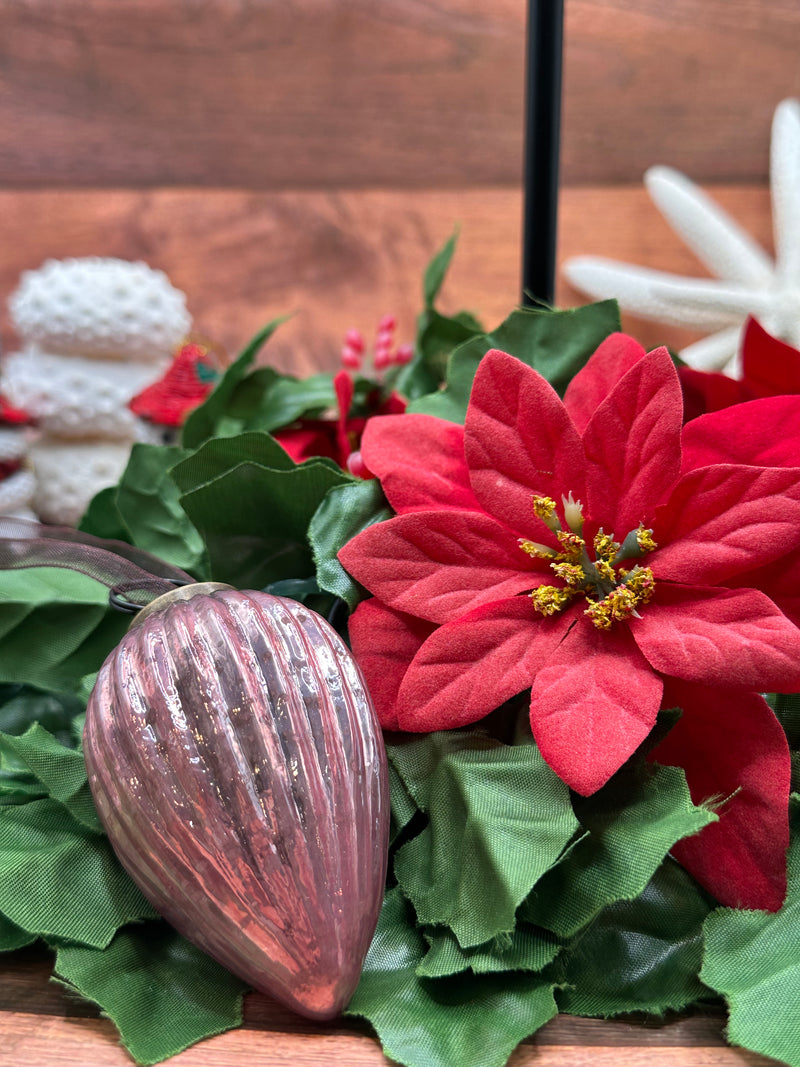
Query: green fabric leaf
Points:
[148, 501]
[753, 959]
[423, 1022]
[526, 949]
[13, 937]
[60, 770]
[499, 818]
[202, 423]
[22, 706]
[632, 823]
[222, 454]
[58, 879]
[161, 992]
[102, 517]
[402, 807]
[345, 511]
[55, 627]
[266, 400]
[436, 270]
[641, 955]
[555, 343]
[254, 521]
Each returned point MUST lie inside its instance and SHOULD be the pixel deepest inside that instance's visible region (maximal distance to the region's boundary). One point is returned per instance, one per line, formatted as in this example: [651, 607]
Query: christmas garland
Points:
[569, 571]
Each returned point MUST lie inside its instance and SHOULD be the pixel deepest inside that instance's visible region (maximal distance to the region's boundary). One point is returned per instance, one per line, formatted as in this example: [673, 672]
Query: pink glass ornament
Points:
[239, 770]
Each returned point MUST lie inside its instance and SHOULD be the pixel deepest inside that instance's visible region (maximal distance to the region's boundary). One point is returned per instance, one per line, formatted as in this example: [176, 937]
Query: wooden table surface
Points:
[40, 1026]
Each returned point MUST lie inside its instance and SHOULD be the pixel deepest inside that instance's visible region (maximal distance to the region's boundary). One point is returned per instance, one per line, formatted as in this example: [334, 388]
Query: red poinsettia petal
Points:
[420, 462]
[519, 441]
[725, 519]
[734, 637]
[780, 580]
[762, 433]
[469, 667]
[344, 387]
[438, 565]
[592, 384]
[317, 438]
[704, 392]
[732, 748]
[632, 445]
[769, 367]
[384, 642]
[593, 704]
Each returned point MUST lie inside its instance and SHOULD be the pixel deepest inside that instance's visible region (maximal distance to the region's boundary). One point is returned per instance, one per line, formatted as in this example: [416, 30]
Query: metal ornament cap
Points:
[239, 770]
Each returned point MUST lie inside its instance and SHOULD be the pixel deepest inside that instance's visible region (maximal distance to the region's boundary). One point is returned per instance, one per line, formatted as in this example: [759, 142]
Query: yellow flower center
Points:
[614, 593]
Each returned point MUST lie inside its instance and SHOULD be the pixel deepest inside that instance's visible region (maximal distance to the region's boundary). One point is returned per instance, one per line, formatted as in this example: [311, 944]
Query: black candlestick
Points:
[542, 135]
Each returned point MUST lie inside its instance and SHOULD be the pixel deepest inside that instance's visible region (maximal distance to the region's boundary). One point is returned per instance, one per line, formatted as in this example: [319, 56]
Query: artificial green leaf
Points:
[60, 770]
[202, 423]
[254, 521]
[55, 627]
[402, 807]
[472, 1021]
[267, 401]
[436, 270]
[102, 517]
[640, 955]
[632, 823]
[22, 706]
[59, 879]
[499, 818]
[222, 454]
[751, 958]
[161, 992]
[148, 501]
[525, 949]
[13, 937]
[555, 343]
[345, 511]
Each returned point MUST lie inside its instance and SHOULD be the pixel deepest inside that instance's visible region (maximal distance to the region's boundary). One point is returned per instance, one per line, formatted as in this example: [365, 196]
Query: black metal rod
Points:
[541, 156]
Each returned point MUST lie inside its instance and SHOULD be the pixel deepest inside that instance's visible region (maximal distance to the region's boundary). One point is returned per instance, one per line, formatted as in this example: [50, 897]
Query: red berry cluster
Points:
[354, 356]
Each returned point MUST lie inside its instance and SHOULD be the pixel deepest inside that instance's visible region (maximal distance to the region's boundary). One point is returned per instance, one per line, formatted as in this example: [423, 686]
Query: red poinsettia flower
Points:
[337, 440]
[769, 368]
[563, 547]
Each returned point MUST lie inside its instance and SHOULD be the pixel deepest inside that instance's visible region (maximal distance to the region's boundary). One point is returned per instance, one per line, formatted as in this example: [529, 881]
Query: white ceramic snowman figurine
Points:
[94, 333]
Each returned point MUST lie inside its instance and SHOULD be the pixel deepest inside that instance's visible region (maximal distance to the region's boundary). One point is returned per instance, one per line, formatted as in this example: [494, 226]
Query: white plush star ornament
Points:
[750, 281]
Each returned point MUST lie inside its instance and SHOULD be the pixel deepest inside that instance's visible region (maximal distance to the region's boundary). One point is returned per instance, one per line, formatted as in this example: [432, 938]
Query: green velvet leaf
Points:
[102, 517]
[472, 1021]
[222, 454]
[13, 937]
[641, 955]
[499, 818]
[753, 959]
[202, 423]
[345, 511]
[161, 992]
[526, 949]
[555, 343]
[148, 501]
[254, 521]
[632, 823]
[59, 879]
[55, 627]
[60, 770]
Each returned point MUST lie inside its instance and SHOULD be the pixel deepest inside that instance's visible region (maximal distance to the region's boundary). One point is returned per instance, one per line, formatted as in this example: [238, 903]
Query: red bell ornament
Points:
[238, 767]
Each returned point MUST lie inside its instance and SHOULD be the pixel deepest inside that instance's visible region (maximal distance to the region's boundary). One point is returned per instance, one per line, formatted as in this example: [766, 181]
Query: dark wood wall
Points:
[309, 155]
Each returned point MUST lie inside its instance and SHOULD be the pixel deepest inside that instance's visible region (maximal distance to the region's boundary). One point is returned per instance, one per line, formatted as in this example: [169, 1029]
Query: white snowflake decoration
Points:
[750, 282]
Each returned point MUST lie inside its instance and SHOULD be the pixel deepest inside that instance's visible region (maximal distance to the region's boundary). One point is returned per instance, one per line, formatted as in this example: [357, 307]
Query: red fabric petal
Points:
[344, 387]
[420, 462]
[704, 392]
[593, 704]
[735, 638]
[732, 746]
[438, 565]
[780, 581]
[469, 667]
[762, 433]
[519, 441]
[384, 642]
[317, 438]
[769, 367]
[632, 445]
[725, 519]
[592, 384]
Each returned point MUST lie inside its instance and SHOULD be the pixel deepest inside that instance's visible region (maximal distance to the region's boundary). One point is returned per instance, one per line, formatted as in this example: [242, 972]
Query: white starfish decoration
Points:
[750, 282]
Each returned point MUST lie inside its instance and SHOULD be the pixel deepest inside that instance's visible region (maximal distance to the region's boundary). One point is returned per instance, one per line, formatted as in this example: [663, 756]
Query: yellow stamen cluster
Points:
[549, 599]
[533, 548]
[644, 538]
[621, 603]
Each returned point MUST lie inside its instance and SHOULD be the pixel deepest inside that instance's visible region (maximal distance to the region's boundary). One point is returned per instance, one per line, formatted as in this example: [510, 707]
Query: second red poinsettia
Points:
[563, 547]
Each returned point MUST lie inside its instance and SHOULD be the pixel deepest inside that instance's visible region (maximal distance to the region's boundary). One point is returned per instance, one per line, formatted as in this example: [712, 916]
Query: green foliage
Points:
[555, 343]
